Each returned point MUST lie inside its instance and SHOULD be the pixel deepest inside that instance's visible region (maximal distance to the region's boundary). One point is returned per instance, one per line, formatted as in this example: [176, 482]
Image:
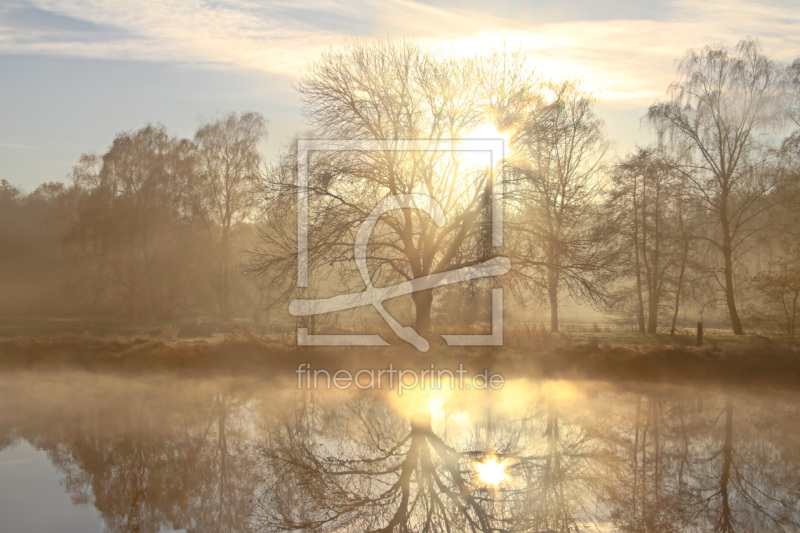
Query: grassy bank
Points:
[605, 357]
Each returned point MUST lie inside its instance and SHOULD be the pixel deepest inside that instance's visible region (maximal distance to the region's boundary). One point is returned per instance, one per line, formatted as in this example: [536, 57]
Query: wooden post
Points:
[699, 333]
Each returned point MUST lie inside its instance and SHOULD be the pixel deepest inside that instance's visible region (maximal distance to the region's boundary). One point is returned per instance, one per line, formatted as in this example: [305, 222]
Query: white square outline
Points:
[496, 149]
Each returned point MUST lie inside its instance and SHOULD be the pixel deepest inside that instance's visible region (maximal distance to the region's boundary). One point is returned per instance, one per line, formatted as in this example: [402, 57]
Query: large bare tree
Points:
[719, 116]
[390, 92]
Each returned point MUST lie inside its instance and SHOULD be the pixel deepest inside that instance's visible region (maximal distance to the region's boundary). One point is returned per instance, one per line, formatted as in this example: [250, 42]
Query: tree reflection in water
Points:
[245, 455]
[146, 456]
[361, 467]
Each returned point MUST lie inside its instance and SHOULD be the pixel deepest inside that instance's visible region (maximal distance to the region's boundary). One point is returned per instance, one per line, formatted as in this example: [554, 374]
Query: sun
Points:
[489, 131]
[491, 472]
[486, 131]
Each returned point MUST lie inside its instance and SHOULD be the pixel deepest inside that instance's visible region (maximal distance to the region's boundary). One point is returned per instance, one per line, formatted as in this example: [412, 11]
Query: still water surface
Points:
[84, 452]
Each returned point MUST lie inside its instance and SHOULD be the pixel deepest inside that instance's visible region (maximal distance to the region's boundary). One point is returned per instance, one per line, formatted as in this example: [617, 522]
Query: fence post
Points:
[699, 333]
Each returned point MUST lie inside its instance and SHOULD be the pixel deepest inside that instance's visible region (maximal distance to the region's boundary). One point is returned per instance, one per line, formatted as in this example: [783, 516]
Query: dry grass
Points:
[529, 352]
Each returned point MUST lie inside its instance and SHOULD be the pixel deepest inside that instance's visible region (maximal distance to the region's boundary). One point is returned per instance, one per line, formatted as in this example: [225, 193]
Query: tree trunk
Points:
[422, 307]
[727, 256]
[552, 293]
[639, 303]
[679, 288]
[639, 299]
[736, 323]
[655, 274]
[224, 299]
[652, 313]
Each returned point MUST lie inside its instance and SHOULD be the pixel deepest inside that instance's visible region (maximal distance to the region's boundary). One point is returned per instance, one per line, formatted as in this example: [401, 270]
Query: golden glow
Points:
[561, 391]
[436, 406]
[491, 472]
[423, 402]
[449, 404]
[486, 131]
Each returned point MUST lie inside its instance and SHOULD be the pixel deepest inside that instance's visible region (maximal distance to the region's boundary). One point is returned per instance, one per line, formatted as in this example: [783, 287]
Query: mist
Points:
[448, 302]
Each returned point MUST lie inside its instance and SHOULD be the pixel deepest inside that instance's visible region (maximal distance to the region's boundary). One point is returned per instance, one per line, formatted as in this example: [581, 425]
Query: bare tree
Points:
[391, 91]
[229, 163]
[134, 233]
[793, 80]
[718, 116]
[780, 288]
[554, 178]
[647, 200]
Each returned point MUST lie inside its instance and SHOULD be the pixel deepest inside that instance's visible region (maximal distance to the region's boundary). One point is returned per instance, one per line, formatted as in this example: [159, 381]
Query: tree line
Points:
[152, 229]
[702, 220]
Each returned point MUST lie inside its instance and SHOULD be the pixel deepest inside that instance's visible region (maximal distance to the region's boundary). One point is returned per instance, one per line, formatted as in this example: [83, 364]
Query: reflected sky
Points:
[84, 452]
[30, 484]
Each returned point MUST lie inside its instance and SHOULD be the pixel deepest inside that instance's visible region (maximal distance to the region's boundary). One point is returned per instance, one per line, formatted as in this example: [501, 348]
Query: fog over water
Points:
[241, 454]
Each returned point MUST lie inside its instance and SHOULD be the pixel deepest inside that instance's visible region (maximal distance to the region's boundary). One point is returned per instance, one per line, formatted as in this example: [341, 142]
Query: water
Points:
[85, 452]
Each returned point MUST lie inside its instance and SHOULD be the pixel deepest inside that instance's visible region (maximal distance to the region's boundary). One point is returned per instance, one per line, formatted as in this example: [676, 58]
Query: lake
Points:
[101, 452]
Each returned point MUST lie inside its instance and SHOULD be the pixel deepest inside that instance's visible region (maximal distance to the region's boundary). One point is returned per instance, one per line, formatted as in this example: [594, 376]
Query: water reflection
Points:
[154, 454]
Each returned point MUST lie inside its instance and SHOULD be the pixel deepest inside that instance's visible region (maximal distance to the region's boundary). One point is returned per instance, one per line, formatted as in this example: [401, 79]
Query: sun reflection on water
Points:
[491, 471]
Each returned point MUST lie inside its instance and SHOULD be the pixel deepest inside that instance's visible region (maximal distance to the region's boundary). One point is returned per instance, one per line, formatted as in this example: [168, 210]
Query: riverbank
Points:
[746, 360]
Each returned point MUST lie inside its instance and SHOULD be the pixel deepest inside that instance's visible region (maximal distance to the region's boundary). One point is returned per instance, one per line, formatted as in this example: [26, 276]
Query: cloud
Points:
[628, 61]
[633, 60]
[16, 146]
[229, 35]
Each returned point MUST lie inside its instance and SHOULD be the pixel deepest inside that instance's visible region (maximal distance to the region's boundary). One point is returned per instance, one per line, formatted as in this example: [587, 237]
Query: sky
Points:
[75, 73]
